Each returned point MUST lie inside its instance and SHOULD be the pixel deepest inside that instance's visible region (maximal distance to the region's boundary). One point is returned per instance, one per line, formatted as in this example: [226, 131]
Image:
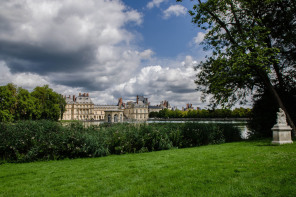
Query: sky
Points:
[107, 48]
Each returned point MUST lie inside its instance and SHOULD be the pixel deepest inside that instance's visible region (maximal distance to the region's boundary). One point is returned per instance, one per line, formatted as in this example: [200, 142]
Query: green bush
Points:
[26, 141]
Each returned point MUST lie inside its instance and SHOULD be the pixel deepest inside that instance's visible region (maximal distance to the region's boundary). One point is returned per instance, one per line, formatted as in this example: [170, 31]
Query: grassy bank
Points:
[231, 169]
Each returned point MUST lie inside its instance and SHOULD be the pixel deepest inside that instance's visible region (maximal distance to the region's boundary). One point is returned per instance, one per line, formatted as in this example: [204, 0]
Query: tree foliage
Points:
[203, 113]
[50, 104]
[17, 103]
[253, 47]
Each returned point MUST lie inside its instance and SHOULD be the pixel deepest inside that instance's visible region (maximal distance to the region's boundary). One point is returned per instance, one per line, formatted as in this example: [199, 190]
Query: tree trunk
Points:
[273, 91]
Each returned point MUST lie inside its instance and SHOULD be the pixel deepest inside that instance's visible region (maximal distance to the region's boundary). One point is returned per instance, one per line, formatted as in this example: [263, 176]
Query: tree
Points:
[8, 102]
[26, 106]
[253, 47]
[19, 104]
[50, 104]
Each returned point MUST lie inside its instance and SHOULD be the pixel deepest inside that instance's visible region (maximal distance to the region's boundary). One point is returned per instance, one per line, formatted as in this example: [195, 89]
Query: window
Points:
[115, 118]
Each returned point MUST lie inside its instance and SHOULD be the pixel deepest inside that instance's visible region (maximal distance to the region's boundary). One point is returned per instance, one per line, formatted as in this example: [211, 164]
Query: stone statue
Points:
[281, 131]
[281, 117]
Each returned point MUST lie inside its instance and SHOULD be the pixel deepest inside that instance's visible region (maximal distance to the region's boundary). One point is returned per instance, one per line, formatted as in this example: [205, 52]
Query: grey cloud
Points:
[72, 43]
[22, 57]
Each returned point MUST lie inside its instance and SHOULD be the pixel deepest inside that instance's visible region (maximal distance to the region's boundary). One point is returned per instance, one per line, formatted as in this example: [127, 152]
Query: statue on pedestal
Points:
[281, 117]
[281, 130]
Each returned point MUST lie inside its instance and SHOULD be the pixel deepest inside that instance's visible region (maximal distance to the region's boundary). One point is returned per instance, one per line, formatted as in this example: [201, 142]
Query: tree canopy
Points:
[203, 113]
[253, 46]
[17, 103]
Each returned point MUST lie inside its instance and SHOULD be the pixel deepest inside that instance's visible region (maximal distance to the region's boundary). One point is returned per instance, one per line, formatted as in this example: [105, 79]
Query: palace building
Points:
[82, 108]
[79, 108]
[137, 111]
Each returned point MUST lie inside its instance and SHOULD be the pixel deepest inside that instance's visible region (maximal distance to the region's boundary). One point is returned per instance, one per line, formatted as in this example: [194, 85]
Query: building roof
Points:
[69, 100]
[83, 99]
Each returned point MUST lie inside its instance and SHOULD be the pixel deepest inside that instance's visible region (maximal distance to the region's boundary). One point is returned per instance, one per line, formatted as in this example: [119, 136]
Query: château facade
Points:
[137, 110]
[82, 108]
[79, 108]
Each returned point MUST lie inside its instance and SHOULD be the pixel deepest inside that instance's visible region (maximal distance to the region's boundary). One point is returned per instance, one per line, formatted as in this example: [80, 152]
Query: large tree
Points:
[51, 104]
[8, 101]
[26, 107]
[19, 104]
[253, 45]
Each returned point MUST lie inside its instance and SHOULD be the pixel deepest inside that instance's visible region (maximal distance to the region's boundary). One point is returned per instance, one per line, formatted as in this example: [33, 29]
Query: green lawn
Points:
[233, 169]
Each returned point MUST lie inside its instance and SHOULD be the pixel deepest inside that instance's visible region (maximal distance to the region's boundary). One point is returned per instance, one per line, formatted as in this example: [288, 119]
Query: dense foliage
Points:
[17, 103]
[253, 46]
[45, 140]
[204, 113]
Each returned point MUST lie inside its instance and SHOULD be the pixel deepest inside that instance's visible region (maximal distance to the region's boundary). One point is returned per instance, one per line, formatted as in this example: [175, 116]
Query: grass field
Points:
[232, 169]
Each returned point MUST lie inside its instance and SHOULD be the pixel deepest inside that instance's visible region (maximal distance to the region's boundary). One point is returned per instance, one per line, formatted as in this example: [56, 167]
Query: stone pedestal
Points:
[281, 134]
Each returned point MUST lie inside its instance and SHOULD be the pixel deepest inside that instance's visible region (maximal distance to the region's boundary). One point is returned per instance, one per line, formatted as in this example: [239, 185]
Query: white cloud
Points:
[74, 43]
[146, 54]
[199, 37]
[163, 83]
[69, 25]
[26, 80]
[189, 62]
[85, 46]
[154, 3]
[176, 10]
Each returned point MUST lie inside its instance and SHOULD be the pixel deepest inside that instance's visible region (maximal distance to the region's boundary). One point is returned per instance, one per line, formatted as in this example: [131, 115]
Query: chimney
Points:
[137, 99]
[87, 94]
[73, 97]
[80, 94]
[83, 94]
[120, 102]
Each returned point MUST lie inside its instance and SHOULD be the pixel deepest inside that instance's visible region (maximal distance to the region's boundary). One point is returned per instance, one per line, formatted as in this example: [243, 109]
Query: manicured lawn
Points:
[233, 169]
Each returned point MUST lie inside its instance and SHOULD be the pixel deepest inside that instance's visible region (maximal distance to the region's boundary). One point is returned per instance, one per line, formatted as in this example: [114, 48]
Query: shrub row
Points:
[26, 141]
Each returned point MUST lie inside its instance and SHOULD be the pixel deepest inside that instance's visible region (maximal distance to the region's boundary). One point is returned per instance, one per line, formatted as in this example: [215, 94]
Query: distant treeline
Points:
[17, 103]
[203, 113]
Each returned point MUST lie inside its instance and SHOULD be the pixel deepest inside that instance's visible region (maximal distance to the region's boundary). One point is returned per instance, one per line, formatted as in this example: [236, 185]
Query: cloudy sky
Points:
[108, 48]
